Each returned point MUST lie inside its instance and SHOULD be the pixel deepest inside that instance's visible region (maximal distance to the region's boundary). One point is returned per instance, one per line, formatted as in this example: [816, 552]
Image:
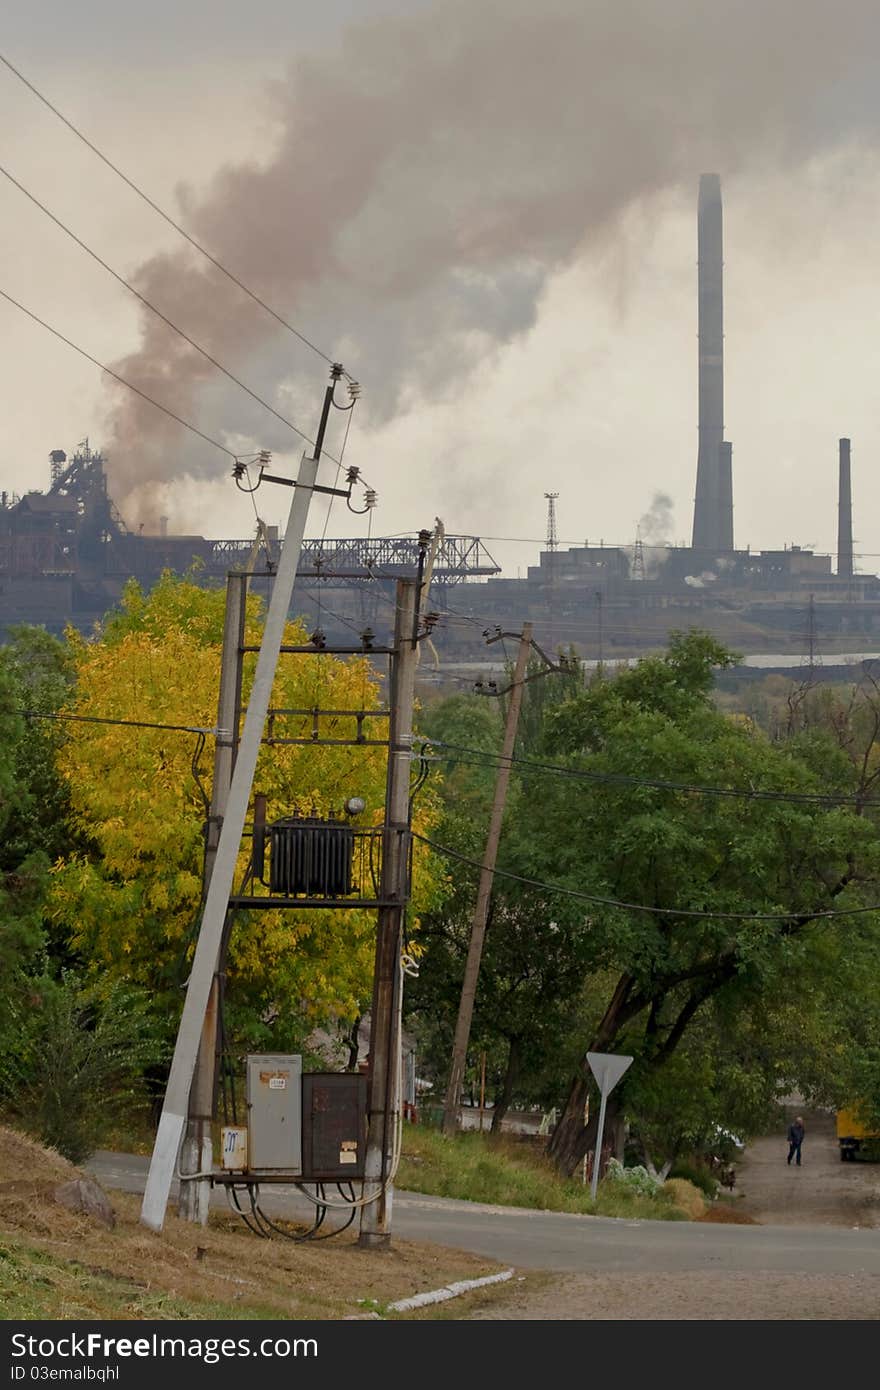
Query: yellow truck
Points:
[856, 1140]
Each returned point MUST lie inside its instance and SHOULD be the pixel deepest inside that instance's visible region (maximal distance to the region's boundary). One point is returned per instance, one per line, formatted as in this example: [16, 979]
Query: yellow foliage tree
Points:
[132, 907]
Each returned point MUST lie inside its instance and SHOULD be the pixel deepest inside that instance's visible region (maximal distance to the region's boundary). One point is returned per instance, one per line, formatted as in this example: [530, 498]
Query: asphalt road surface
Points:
[587, 1245]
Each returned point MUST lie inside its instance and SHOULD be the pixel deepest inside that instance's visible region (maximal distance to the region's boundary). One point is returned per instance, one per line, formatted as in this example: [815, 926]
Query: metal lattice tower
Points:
[638, 569]
[552, 537]
[812, 656]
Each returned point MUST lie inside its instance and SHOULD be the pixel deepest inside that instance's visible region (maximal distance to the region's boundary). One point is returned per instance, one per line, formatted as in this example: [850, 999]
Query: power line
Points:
[161, 212]
[131, 723]
[643, 907]
[158, 312]
[321, 606]
[116, 377]
[623, 779]
[480, 759]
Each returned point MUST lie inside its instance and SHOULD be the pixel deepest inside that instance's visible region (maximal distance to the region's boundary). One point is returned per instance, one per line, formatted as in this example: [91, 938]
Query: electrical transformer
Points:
[310, 857]
[274, 1103]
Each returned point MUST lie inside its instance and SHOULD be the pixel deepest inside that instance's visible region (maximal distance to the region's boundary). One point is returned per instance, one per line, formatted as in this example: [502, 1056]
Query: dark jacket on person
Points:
[796, 1134]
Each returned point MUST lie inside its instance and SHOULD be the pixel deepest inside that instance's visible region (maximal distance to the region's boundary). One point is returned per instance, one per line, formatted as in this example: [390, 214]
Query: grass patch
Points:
[35, 1284]
[502, 1171]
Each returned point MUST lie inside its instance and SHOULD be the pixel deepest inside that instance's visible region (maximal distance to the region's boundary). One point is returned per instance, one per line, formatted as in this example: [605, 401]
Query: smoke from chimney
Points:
[656, 523]
[655, 529]
[432, 174]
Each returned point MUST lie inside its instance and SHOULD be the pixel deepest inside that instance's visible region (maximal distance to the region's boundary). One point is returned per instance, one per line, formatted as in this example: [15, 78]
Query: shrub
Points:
[685, 1196]
[79, 1062]
[636, 1179]
[700, 1177]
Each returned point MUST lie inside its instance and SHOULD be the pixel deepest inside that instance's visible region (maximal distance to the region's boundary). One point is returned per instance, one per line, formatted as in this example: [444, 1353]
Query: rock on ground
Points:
[83, 1195]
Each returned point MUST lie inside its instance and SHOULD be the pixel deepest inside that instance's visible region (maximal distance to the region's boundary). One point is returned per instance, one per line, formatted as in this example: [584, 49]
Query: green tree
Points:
[35, 828]
[526, 999]
[742, 881]
[38, 674]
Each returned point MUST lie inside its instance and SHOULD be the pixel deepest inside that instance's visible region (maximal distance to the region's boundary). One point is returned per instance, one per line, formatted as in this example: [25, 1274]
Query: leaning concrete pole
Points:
[707, 502]
[174, 1109]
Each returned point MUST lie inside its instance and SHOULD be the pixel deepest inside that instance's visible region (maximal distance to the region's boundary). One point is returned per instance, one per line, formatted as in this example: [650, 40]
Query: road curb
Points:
[420, 1300]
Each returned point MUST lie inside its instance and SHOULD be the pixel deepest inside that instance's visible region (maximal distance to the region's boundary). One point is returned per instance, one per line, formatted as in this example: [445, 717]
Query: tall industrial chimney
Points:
[710, 529]
[725, 496]
[844, 514]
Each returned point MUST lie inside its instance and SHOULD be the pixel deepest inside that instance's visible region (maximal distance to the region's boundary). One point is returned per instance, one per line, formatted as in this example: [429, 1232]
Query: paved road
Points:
[583, 1244]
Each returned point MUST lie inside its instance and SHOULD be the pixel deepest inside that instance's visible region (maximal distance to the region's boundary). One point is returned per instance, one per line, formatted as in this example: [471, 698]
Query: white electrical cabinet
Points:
[233, 1148]
[274, 1102]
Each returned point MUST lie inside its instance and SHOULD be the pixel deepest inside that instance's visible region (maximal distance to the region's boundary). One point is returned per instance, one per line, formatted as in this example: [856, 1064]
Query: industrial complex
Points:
[66, 553]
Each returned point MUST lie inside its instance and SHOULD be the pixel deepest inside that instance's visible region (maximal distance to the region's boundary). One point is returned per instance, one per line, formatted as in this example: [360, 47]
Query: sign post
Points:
[607, 1069]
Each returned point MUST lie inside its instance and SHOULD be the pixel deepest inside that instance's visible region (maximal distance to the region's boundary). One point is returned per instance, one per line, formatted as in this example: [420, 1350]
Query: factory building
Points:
[66, 554]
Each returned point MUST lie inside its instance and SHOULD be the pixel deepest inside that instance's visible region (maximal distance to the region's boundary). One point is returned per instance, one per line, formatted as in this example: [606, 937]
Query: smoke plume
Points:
[656, 524]
[432, 174]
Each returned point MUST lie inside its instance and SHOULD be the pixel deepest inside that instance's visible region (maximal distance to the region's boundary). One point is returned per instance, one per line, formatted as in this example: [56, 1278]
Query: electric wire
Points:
[806, 913]
[350, 410]
[197, 778]
[485, 624]
[232, 1197]
[164, 215]
[320, 603]
[158, 312]
[132, 723]
[116, 377]
[624, 779]
[310, 1233]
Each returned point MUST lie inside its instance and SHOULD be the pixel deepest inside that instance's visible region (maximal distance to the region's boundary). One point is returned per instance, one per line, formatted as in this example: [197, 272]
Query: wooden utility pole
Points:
[196, 1154]
[384, 1088]
[452, 1106]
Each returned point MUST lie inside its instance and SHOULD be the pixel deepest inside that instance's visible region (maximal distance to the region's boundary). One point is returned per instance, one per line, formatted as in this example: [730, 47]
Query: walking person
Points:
[795, 1139]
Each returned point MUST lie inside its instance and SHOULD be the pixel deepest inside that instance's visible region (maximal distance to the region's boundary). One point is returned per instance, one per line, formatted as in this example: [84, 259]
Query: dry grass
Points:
[57, 1264]
[725, 1215]
[686, 1197]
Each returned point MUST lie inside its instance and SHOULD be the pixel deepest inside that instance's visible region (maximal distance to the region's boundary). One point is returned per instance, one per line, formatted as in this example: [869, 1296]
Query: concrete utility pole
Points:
[452, 1107]
[174, 1109]
[194, 1025]
[196, 1155]
[384, 1092]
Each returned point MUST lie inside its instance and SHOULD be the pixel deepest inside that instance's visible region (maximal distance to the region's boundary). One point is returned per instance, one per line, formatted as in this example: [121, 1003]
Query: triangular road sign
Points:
[608, 1068]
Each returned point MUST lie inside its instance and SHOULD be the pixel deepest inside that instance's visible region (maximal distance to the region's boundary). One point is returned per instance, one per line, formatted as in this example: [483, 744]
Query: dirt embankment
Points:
[58, 1263]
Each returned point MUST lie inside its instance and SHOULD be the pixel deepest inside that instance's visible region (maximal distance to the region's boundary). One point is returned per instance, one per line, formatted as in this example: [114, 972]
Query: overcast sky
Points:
[488, 210]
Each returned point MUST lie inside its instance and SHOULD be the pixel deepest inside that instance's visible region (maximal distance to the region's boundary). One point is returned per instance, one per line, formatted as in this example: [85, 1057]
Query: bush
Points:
[79, 1061]
[700, 1177]
[685, 1196]
[636, 1179]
